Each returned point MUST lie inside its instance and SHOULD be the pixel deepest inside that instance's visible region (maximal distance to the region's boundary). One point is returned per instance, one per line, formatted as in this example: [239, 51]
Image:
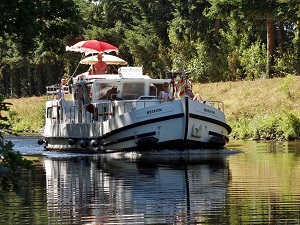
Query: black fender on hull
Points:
[218, 141]
[41, 141]
[146, 141]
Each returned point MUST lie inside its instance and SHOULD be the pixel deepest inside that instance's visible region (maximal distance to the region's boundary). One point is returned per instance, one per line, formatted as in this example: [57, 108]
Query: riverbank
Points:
[260, 109]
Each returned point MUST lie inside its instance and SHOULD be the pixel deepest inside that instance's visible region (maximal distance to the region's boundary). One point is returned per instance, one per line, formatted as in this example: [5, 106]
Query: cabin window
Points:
[53, 112]
[49, 112]
[103, 89]
[133, 90]
[153, 91]
[89, 94]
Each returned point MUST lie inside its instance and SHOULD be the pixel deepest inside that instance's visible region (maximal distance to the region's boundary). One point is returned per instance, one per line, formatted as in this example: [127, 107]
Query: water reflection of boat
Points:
[131, 189]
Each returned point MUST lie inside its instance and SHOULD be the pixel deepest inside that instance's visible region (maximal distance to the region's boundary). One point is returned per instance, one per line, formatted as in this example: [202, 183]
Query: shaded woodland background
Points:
[216, 40]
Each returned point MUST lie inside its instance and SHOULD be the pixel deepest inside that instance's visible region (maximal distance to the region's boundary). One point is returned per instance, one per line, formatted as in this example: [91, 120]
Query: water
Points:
[247, 183]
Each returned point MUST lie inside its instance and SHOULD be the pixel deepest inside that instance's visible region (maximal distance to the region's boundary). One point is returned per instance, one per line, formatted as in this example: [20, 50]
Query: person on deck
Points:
[188, 92]
[62, 88]
[110, 94]
[166, 95]
[198, 98]
[99, 67]
[191, 95]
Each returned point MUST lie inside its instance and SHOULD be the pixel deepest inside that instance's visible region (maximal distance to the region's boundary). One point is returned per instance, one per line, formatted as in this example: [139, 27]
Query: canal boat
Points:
[119, 112]
[122, 111]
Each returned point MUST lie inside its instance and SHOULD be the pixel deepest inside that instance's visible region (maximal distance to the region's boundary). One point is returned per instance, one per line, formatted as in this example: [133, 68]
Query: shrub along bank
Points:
[259, 109]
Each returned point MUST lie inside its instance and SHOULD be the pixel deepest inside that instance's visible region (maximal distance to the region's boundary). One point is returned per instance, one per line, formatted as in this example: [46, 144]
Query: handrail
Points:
[217, 104]
[103, 111]
[53, 91]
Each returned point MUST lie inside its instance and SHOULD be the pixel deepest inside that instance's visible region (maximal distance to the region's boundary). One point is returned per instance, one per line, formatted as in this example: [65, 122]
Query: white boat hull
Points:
[181, 124]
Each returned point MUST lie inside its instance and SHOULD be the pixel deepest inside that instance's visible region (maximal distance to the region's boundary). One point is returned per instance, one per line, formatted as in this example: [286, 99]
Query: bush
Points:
[253, 61]
[289, 124]
[287, 85]
[285, 126]
[286, 63]
[240, 129]
[11, 162]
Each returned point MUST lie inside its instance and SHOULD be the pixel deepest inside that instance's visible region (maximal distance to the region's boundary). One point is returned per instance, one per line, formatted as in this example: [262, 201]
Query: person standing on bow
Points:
[166, 95]
[99, 67]
[63, 88]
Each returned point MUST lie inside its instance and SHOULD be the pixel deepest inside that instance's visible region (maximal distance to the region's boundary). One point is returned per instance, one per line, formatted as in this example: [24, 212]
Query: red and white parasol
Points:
[92, 46]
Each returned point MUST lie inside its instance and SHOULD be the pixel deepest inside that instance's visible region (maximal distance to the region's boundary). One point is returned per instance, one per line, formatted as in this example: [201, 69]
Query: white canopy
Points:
[109, 59]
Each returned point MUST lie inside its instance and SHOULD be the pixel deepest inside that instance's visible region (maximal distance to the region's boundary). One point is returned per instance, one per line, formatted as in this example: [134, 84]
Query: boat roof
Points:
[128, 73]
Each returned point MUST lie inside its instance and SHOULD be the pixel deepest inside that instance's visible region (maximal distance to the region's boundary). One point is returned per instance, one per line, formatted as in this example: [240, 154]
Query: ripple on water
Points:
[168, 187]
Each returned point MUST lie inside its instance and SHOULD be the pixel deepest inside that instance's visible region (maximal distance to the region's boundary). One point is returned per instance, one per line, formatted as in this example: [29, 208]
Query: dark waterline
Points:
[258, 185]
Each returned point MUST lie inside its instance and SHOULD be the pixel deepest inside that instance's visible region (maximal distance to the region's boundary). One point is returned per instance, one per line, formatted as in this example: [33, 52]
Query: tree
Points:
[11, 162]
[195, 40]
[294, 15]
[152, 46]
[31, 30]
[138, 28]
[270, 11]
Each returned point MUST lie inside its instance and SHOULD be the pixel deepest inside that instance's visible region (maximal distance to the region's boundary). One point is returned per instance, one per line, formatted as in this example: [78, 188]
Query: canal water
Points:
[246, 183]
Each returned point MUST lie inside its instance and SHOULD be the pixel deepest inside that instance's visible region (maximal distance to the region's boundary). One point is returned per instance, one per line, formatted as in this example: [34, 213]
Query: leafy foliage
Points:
[286, 63]
[252, 61]
[285, 126]
[11, 162]
[216, 40]
[290, 125]
[286, 86]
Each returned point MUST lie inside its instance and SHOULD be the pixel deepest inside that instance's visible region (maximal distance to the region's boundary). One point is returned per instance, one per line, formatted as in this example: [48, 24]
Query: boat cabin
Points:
[129, 84]
[100, 97]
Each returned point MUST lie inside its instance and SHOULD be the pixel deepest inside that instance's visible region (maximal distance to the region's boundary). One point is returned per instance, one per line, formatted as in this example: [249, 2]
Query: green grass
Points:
[27, 114]
[260, 109]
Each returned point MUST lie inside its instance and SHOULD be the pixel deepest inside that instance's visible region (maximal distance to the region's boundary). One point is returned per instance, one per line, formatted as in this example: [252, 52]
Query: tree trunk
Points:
[270, 47]
[217, 29]
[280, 36]
[297, 46]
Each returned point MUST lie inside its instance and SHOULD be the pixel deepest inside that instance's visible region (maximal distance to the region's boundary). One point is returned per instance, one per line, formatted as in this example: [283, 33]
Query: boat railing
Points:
[131, 105]
[55, 91]
[217, 104]
[130, 96]
[103, 111]
[81, 114]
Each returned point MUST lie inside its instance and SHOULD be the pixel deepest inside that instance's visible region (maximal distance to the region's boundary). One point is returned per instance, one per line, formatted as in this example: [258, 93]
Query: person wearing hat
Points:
[99, 67]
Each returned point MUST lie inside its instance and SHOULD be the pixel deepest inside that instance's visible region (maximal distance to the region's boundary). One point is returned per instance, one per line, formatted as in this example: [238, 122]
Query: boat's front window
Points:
[153, 90]
[133, 90]
[101, 90]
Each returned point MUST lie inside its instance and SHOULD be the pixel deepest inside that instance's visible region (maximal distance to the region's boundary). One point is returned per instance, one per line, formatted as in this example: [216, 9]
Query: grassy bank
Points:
[260, 109]
[27, 114]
